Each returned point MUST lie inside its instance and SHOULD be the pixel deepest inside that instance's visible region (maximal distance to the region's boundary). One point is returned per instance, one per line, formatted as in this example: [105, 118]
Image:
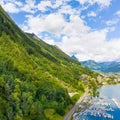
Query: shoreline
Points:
[82, 107]
[76, 106]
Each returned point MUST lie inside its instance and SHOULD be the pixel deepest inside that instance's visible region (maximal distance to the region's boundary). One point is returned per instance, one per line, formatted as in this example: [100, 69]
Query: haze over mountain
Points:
[105, 67]
[36, 78]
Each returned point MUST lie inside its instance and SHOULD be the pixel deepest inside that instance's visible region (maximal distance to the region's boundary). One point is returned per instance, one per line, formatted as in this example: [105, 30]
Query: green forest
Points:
[35, 77]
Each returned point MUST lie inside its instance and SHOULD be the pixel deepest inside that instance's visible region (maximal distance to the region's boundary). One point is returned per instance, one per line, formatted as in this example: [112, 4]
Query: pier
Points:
[116, 102]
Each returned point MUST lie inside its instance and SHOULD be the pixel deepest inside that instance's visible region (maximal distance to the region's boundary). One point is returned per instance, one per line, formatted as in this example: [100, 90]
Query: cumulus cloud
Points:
[11, 8]
[67, 9]
[92, 14]
[118, 13]
[15, 6]
[112, 22]
[92, 45]
[44, 5]
[52, 23]
[76, 26]
[102, 3]
[85, 46]
[29, 6]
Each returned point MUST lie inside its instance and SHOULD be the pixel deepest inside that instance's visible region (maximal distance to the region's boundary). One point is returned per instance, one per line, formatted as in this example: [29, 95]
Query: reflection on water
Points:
[106, 107]
[110, 91]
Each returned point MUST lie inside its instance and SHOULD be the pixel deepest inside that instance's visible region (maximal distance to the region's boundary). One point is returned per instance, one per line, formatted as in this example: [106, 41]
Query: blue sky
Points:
[89, 29]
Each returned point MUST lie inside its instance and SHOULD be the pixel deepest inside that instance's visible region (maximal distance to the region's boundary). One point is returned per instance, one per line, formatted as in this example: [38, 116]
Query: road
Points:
[69, 115]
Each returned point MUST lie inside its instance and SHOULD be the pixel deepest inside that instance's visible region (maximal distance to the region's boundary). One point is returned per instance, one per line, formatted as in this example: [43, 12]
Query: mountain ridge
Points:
[105, 67]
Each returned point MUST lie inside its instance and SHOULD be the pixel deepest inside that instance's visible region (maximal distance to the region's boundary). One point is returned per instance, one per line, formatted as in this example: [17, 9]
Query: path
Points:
[69, 115]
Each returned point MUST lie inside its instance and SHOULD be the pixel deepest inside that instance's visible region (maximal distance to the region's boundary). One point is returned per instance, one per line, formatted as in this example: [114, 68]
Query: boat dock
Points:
[116, 102]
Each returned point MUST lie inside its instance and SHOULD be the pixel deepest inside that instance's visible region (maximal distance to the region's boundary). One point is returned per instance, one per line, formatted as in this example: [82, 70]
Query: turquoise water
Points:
[105, 107]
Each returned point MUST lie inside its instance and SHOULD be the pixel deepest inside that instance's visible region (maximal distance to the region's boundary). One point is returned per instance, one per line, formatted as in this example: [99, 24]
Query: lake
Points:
[105, 107]
[110, 91]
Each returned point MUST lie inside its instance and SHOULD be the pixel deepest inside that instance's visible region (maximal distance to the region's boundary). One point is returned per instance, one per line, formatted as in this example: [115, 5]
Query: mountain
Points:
[110, 66]
[33, 36]
[36, 78]
[105, 67]
[91, 64]
[74, 57]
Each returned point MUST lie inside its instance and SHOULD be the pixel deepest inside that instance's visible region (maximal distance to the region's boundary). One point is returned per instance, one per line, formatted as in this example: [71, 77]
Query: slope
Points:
[34, 77]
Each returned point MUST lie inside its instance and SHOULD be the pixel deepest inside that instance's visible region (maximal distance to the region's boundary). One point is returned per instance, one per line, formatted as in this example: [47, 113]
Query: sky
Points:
[88, 29]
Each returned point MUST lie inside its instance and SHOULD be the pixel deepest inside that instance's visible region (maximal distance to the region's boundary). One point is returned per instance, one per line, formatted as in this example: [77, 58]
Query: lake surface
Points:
[110, 91]
[106, 107]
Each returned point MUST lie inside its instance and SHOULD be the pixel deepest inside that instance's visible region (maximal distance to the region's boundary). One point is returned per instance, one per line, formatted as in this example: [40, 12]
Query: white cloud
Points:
[42, 6]
[76, 26]
[29, 6]
[111, 28]
[52, 23]
[56, 24]
[92, 45]
[102, 3]
[11, 8]
[15, 6]
[67, 9]
[45, 5]
[112, 22]
[88, 43]
[118, 13]
[92, 14]
[49, 41]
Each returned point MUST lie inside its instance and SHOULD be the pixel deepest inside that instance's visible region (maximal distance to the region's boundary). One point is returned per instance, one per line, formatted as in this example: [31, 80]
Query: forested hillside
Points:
[35, 78]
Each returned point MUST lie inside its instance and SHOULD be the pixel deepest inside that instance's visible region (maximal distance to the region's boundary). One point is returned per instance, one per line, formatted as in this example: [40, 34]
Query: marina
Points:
[102, 108]
[116, 102]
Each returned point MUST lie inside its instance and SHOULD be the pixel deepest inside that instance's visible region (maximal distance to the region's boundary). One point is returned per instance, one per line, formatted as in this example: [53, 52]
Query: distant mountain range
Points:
[105, 67]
